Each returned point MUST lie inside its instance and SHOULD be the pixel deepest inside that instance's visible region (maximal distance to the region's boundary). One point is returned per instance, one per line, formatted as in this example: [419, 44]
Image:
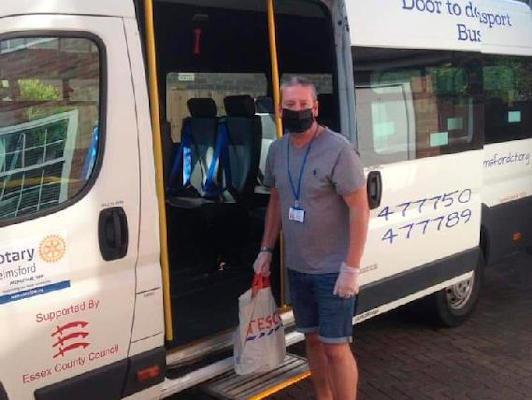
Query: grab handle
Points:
[113, 233]
[374, 187]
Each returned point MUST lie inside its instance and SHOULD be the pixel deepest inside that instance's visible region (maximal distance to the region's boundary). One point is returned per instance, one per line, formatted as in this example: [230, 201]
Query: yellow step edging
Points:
[281, 386]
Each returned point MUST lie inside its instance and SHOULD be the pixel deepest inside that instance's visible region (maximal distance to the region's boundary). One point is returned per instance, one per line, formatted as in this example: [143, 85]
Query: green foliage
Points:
[449, 81]
[36, 90]
[508, 78]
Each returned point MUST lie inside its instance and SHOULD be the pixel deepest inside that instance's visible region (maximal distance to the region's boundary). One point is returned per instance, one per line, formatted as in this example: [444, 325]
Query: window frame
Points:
[102, 110]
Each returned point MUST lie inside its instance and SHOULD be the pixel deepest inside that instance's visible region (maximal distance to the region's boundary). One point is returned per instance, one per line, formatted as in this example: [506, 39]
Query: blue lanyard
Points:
[297, 193]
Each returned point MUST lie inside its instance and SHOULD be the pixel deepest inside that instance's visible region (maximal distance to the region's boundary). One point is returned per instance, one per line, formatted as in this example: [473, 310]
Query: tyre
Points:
[454, 304]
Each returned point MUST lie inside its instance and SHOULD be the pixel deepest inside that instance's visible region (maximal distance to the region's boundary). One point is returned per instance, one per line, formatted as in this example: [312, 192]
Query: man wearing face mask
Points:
[318, 197]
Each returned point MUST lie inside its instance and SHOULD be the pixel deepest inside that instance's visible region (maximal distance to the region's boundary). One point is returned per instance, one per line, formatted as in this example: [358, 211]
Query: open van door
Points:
[69, 206]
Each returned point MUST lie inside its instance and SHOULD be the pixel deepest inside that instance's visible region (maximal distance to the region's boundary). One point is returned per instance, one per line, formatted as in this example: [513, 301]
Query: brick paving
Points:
[489, 357]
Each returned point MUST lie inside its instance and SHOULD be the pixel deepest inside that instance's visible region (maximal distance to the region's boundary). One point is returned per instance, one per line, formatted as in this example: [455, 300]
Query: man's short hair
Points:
[300, 81]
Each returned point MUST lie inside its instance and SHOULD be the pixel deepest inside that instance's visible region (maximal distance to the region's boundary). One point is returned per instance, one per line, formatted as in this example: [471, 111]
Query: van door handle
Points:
[113, 233]
[374, 189]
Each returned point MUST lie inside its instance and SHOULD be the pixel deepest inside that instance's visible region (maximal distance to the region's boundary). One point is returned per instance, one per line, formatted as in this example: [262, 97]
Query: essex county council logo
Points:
[52, 248]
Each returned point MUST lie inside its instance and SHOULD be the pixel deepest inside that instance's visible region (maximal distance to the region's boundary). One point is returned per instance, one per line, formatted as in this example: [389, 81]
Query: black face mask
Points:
[297, 121]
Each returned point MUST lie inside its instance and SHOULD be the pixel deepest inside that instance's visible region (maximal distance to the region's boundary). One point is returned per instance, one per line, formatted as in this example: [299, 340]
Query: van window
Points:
[412, 104]
[49, 121]
[508, 98]
[182, 86]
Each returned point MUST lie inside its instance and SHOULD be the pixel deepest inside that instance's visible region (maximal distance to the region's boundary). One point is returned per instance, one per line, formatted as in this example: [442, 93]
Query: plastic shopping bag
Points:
[259, 342]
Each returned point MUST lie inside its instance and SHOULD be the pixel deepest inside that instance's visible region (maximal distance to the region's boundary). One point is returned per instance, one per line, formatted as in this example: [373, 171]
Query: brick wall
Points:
[181, 87]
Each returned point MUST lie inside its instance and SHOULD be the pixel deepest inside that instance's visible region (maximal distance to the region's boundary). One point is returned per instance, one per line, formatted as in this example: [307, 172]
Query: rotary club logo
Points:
[52, 248]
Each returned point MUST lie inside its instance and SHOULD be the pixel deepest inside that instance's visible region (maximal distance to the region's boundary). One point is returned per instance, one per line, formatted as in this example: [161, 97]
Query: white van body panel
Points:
[386, 23]
[507, 169]
[516, 40]
[507, 172]
[115, 8]
[100, 294]
[427, 228]
[430, 209]
[148, 327]
[402, 24]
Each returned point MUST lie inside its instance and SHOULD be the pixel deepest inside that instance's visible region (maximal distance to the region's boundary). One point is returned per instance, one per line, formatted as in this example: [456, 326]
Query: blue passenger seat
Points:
[241, 162]
[195, 167]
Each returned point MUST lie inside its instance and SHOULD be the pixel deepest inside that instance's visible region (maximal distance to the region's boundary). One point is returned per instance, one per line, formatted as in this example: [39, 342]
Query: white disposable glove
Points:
[347, 282]
[262, 263]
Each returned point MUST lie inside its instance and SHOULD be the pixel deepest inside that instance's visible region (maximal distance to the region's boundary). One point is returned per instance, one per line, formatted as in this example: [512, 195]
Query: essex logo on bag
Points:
[260, 327]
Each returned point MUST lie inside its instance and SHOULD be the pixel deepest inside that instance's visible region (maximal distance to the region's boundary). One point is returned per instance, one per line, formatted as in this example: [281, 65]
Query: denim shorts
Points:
[317, 309]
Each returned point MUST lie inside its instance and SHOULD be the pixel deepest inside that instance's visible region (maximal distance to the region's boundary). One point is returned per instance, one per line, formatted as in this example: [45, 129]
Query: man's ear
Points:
[316, 109]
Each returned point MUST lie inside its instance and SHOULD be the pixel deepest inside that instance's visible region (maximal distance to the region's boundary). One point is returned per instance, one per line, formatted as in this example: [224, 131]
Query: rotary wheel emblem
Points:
[52, 248]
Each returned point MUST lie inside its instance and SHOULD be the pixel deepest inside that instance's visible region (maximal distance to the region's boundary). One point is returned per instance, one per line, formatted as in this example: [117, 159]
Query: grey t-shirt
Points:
[333, 169]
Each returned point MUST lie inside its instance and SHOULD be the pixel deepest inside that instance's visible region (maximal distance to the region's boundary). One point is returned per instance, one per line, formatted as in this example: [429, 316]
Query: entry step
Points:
[230, 386]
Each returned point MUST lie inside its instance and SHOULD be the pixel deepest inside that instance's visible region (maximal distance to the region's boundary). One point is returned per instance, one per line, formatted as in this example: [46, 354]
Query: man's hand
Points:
[347, 282]
[262, 263]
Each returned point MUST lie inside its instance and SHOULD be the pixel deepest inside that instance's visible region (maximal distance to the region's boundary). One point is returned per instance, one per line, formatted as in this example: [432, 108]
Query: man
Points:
[318, 196]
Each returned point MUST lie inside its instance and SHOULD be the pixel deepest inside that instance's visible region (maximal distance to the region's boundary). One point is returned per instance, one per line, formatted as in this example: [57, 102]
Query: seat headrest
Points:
[239, 106]
[203, 107]
[264, 104]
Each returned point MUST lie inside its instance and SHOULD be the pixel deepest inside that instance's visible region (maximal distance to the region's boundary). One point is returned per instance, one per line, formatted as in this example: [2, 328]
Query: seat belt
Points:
[211, 189]
[183, 155]
[225, 159]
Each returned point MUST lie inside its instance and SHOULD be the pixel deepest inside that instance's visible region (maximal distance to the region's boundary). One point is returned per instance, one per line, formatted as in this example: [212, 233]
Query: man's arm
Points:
[272, 225]
[357, 202]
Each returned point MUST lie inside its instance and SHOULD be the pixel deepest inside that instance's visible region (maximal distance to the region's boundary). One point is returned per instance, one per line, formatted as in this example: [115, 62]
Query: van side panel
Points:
[84, 326]
[507, 228]
[501, 26]
[148, 328]
[507, 197]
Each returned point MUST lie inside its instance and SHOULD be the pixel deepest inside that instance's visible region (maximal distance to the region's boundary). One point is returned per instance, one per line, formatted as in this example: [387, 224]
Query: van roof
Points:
[115, 8]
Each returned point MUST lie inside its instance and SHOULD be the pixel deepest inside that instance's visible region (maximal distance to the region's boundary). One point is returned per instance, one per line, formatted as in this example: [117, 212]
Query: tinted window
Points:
[415, 103]
[508, 98]
[182, 86]
[49, 121]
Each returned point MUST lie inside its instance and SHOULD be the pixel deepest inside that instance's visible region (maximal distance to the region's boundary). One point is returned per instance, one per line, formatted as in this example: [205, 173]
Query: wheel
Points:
[454, 304]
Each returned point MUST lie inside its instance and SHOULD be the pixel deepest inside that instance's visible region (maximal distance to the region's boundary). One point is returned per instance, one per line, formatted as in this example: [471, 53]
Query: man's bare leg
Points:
[343, 370]
[319, 368]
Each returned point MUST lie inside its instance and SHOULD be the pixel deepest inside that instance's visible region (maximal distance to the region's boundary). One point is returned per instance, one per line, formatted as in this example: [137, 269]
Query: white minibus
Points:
[133, 135]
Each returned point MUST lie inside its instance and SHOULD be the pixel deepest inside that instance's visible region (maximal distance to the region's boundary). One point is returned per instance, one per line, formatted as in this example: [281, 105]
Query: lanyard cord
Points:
[297, 193]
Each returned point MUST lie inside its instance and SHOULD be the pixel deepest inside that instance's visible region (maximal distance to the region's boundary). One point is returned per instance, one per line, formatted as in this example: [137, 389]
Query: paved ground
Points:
[489, 357]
